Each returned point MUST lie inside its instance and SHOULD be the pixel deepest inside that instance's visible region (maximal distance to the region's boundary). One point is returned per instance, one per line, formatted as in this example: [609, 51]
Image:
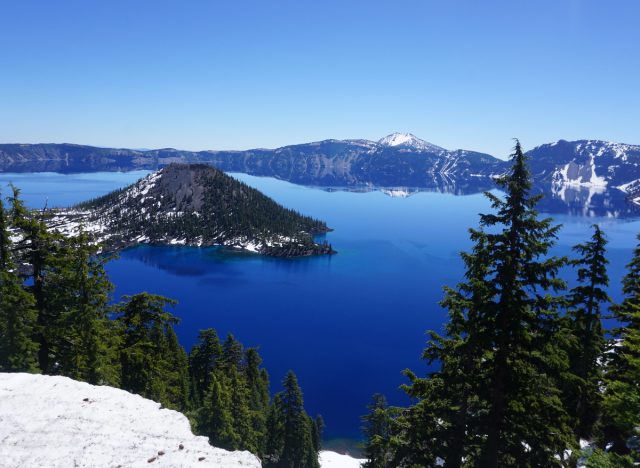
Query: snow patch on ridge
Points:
[580, 175]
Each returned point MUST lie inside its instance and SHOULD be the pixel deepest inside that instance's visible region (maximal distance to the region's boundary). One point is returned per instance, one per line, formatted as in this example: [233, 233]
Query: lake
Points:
[347, 324]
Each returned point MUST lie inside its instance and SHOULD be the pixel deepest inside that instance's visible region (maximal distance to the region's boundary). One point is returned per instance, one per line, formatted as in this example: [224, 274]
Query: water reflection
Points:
[591, 202]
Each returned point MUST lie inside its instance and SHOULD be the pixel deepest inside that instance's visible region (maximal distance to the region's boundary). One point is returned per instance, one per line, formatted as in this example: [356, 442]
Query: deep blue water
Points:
[346, 324]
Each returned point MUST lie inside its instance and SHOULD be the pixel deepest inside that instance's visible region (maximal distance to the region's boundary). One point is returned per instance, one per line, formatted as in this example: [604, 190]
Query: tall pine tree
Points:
[621, 401]
[203, 359]
[37, 247]
[378, 431]
[495, 399]
[526, 423]
[18, 350]
[149, 352]
[83, 338]
[296, 436]
[586, 301]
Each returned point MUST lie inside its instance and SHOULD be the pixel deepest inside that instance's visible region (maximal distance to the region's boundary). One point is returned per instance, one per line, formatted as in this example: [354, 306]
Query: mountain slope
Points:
[590, 163]
[398, 160]
[54, 422]
[194, 205]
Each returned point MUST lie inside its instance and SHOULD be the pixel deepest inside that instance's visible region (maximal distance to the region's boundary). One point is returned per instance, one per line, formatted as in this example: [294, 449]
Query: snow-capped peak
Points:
[408, 140]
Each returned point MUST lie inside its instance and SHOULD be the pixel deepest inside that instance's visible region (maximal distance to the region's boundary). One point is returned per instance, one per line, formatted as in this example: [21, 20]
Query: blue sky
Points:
[255, 73]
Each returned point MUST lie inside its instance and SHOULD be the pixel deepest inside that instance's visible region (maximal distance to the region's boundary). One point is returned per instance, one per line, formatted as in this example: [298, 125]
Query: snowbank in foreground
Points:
[59, 422]
[335, 460]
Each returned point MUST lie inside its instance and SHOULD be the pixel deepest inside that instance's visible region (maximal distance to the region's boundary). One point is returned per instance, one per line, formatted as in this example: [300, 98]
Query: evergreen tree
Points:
[36, 248]
[232, 353]
[202, 362]
[527, 424]
[586, 302]
[241, 412]
[82, 338]
[316, 432]
[274, 444]
[378, 433]
[258, 396]
[18, 351]
[621, 402]
[177, 375]
[297, 450]
[148, 354]
[495, 399]
[452, 398]
[215, 419]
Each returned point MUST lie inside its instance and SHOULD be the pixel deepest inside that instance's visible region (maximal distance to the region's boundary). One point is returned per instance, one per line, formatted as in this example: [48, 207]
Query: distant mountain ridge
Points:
[397, 160]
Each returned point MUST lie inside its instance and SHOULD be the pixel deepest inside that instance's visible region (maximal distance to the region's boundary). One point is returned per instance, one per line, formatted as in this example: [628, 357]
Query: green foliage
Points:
[495, 399]
[621, 401]
[378, 431]
[600, 459]
[81, 335]
[258, 396]
[149, 352]
[215, 418]
[37, 247]
[297, 449]
[585, 311]
[274, 443]
[202, 362]
[18, 351]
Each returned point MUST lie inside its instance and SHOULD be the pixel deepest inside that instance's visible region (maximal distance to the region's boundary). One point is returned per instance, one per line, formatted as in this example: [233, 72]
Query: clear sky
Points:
[240, 74]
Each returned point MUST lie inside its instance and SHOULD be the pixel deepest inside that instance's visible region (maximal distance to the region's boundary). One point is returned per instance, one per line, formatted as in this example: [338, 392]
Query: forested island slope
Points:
[197, 205]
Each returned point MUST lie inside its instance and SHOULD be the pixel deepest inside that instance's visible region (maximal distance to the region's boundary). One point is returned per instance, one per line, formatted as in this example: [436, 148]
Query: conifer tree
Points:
[586, 302]
[451, 398]
[83, 338]
[274, 444]
[148, 355]
[621, 401]
[18, 351]
[36, 247]
[177, 373]
[203, 359]
[316, 433]
[297, 450]
[258, 396]
[215, 419]
[378, 433]
[232, 353]
[495, 398]
[241, 412]
[527, 424]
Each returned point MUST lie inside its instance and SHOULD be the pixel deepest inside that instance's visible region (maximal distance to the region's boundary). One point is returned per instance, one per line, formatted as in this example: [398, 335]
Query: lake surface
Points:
[346, 324]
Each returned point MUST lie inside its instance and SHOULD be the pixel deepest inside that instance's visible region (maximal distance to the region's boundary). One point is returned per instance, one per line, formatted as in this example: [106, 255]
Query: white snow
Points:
[633, 184]
[561, 176]
[336, 460]
[407, 139]
[55, 422]
[397, 193]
